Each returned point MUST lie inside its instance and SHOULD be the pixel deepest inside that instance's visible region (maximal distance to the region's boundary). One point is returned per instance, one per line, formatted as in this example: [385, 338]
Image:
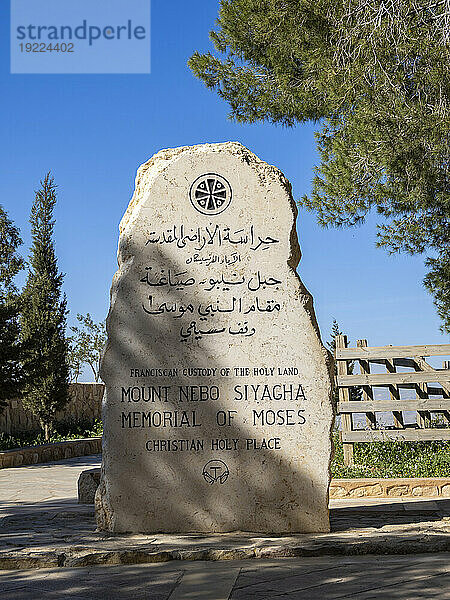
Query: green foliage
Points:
[86, 345]
[10, 262]
[377, 77]
[436, 281]
[43, 319]
[10, 351]
[393, 459]
[61, 433]
[335, 331]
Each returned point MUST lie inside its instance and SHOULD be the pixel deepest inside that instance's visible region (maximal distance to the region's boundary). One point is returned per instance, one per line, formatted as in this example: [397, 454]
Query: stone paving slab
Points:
[319, 578]
[42, 526]
[45, 482]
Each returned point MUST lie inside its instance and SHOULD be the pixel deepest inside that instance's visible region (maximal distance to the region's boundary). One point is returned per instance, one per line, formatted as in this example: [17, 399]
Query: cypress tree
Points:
[10, 264]
[43, 321]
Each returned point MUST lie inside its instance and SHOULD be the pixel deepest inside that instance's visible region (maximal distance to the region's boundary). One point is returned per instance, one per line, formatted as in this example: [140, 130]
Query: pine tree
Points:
[10, 351]
[376, 76]
[43, 320]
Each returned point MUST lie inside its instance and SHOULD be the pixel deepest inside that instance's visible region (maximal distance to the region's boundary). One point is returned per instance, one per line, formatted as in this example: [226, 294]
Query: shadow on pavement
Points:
[388, 513]
[41, 522]
[320, 578]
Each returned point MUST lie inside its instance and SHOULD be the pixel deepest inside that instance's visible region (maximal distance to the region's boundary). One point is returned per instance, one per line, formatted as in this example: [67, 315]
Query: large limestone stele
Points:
[217, 413]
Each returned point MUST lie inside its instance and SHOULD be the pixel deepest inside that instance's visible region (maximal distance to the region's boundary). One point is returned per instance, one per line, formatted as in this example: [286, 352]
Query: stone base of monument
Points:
[61, 534]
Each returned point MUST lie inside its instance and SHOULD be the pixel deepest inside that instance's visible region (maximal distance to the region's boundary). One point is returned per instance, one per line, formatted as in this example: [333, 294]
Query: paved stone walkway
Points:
[44, 482]
[43, 526]
[419, 577]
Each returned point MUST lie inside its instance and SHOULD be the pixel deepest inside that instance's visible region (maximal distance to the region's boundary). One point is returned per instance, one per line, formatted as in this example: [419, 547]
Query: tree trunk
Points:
[48, 430]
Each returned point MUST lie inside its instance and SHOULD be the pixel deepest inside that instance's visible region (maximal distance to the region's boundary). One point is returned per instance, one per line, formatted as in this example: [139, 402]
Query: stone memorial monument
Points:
[217, 413]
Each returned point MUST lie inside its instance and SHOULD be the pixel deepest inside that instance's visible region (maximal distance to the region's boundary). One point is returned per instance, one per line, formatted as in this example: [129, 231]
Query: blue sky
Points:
[93, 131]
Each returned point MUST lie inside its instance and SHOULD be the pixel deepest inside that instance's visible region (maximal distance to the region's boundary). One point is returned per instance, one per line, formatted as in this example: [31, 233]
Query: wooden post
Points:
[367, 390]
[394, 393]
[344, 396]
[423, 417]
[446, 390]
[422, 365]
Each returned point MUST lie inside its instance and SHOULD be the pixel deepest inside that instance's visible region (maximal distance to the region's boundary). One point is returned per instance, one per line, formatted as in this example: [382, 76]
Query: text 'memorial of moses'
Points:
[217, 412]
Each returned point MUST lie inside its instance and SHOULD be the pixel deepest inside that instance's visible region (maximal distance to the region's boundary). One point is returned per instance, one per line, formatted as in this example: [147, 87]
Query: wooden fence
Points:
[431, 386]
